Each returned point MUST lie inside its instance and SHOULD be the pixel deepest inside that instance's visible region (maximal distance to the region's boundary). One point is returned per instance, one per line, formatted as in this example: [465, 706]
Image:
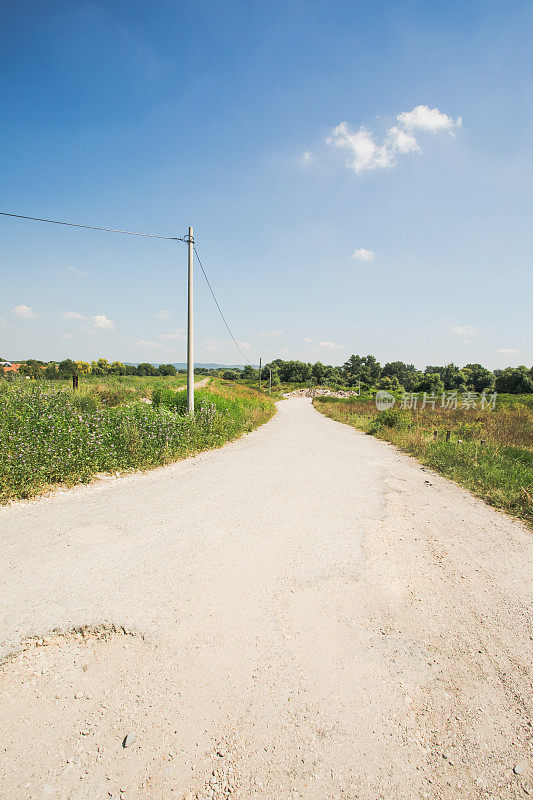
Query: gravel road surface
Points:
[304, 613]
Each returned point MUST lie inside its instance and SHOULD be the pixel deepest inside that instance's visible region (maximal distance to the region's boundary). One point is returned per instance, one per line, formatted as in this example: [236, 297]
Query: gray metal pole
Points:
[190, 349]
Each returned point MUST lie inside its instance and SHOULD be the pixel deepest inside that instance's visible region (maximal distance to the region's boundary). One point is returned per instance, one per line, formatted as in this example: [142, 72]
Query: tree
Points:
[513, 380]
[431, 383]
[249, 373]
[318, 371]
[103, 364]
[230, 375]
[51, 372]
[146, 369]
[167, 369]
[389, 383]
[83, 367]
[32, 368]
[407, 374]
[117, 368]
[478, 378]
[366, 369]
[67, 368]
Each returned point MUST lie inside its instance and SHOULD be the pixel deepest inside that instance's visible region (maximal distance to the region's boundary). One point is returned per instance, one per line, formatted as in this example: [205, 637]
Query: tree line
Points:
[59, 370]
[365, 373]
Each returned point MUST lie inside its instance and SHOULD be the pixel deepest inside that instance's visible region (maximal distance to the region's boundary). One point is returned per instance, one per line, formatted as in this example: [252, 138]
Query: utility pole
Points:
[190, 349]
[259, 374]
[269, 379]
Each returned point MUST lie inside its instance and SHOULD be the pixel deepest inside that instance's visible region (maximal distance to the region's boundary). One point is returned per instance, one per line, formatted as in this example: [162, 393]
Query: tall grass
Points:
[489, 452]
[49, 435]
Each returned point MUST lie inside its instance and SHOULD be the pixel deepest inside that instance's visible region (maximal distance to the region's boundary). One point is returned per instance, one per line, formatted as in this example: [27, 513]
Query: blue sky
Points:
[227, 116]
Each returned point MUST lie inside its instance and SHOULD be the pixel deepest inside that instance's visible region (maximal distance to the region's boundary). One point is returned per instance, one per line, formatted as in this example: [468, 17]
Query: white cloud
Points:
[400, 141]
[23, 311]
[509, 350]
[366, 154]
[424, 118]
[67, 336]
[165, 314]
[463, 330]
[3, 322]
[363, 255]
[271, 333]
[306, 339]
[78, 271]
[73, 315]
[146, 343]
[306, 157]
[103, 323]
[331, 346]
[178, 334]
[245, 345]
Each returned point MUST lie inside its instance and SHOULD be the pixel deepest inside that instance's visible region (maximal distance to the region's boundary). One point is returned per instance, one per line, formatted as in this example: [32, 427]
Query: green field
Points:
[52, 435]
[489, 452]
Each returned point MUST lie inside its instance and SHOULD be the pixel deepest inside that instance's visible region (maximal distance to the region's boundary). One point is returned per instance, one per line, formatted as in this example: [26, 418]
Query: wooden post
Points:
[270, 379]
[435, 434]
[74, 382]
[259, 374]
[447, 436]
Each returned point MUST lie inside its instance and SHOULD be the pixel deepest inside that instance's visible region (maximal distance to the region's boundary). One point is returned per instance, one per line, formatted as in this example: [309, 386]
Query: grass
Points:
[489, 452]
[51, 435]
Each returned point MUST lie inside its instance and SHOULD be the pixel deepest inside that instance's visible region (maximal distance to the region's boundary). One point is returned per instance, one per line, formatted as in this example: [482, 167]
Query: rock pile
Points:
[319, 391]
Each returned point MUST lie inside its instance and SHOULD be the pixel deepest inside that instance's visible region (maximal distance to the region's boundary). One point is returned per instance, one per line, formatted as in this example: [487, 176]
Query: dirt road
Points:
[307, 613]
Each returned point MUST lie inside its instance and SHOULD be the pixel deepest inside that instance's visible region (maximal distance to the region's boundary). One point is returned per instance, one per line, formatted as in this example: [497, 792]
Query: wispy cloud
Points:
[309, 341]
[3, 322]
[101, 322]
[271, 333]
[76, 271]
[330, 346]
[306, 157]
[164, 314]
[25, 312]
[362, 254]
[365, 154]
[178, 334]
[67, 336]
[463, 330]
[509, 350]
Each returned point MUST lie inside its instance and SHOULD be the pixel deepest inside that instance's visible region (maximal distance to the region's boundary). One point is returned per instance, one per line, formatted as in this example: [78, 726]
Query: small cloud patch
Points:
[362, 254]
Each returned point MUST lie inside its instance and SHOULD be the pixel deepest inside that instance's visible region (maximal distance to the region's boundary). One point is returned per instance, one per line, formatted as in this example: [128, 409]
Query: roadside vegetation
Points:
[489, 451]
[50, 434]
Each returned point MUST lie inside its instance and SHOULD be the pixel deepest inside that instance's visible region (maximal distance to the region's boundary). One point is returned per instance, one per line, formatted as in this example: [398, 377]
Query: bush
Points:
[389, 419]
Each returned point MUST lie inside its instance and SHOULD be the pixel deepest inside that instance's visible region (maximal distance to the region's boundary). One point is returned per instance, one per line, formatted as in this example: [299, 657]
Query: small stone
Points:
[518, 769]
[129, 739]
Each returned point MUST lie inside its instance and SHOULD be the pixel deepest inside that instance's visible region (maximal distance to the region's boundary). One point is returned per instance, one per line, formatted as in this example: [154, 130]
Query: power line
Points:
[94, 228]
[133, 233]
[220, 310]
